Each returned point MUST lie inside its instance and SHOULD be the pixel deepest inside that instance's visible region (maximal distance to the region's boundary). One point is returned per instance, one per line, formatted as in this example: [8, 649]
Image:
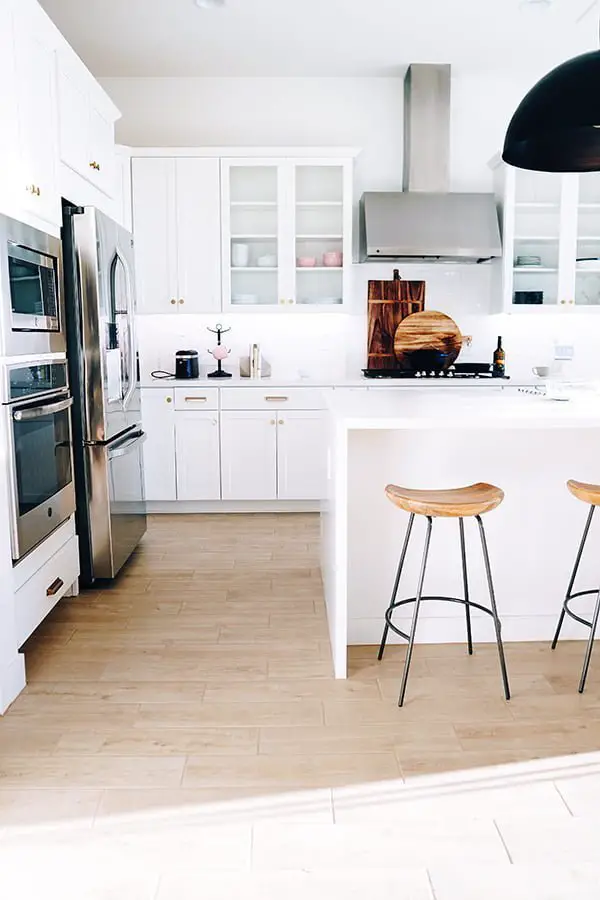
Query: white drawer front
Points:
[272, 398]
[35, 599]
[196, 398]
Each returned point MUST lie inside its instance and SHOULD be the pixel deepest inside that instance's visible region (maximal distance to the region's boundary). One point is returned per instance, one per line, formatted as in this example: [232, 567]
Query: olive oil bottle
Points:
[499, 363]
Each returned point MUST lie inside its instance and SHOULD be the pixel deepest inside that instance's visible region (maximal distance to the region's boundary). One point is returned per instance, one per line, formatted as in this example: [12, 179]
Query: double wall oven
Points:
[31, 291]
[37, 404]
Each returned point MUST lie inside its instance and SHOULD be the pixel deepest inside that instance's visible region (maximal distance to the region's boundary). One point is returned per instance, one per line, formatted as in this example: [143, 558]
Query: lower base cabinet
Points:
[236, 455]
[249, 455]
[197, 456]
[301, 456]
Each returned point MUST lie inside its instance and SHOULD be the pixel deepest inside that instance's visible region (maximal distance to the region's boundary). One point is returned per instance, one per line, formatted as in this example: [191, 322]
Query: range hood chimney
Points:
[425, 222]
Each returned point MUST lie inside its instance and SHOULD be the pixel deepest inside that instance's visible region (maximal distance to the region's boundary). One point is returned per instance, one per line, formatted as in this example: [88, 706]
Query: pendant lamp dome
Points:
[556, 127]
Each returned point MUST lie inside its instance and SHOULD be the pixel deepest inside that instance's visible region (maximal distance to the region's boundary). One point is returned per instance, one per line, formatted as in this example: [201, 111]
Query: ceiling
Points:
[318, 37]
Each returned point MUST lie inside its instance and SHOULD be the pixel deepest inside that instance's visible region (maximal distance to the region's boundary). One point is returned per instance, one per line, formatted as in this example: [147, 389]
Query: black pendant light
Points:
[556, 127]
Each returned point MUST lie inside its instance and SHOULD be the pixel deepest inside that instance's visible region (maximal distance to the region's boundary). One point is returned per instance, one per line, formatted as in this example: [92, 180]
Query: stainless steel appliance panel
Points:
[107, 289]
[31, 290]
[42, 494]
[116, 502]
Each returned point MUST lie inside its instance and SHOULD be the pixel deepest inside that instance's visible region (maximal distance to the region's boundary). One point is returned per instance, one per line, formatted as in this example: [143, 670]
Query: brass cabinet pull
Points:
[54, 587]
[182, 301]
[173, 302]
[196, 399]
[169, 399]
[273, 422]
[276, 399]
[281, 422]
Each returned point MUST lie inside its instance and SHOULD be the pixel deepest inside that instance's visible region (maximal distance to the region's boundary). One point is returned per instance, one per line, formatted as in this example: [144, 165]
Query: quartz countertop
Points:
[425, 409]
[332, 382]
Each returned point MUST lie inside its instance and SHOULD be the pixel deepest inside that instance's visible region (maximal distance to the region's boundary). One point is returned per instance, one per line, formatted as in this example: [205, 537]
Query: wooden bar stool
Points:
[455, 503]
[589, 493]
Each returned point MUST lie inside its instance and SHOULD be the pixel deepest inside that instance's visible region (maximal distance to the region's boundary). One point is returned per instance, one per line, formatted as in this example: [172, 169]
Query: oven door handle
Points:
[123, 449]
[48, 409]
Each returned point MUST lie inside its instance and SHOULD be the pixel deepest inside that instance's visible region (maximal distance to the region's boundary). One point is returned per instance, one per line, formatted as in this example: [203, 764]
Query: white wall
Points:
[365, 113]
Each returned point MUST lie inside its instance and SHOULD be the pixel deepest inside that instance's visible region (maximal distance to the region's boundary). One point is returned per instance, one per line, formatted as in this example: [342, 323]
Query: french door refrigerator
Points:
[103, 371]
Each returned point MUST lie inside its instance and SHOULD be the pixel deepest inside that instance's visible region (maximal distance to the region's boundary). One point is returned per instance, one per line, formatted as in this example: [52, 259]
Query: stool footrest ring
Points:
[570, 612]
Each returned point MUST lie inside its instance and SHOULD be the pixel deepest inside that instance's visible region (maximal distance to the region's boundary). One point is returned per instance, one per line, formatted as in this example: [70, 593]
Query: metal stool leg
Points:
[590, 646]
[413, 628]
[463, 552]
[572, 581]
[396, 583]
[488, 571]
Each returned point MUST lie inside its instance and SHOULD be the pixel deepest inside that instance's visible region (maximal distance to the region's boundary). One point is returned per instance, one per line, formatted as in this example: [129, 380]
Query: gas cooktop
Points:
[477, 371]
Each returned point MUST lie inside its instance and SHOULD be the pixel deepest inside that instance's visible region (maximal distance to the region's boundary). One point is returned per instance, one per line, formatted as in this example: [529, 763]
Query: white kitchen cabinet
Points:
[249, 455]
[86, 124]
[35, 87]
[301, 455]
[176, 221]
[158, 420]
[286, 233]
[198, 455]
[551, 240]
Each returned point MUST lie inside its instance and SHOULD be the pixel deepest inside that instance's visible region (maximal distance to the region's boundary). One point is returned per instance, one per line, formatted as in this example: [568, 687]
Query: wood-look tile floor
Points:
[199, 685]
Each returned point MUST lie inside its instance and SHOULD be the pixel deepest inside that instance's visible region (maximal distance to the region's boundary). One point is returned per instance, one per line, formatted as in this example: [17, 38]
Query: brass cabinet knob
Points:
[38, 191]
[281, 422]
[173, 302]
[282, 301]
[290, 301]
[273, 422]
[181, 301]
[169, 399]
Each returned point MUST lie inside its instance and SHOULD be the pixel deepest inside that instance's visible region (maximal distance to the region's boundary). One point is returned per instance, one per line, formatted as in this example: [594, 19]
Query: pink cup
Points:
[306, 262]
[333, 258]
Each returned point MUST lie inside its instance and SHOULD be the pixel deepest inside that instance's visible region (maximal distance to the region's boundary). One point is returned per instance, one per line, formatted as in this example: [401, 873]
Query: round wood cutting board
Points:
[427, 330]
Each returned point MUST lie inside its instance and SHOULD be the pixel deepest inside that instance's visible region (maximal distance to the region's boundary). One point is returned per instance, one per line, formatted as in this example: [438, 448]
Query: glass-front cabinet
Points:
[551, 240]
[286, 233]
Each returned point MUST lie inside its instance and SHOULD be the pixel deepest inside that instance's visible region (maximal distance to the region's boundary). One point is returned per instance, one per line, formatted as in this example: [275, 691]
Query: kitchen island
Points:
[523, 442]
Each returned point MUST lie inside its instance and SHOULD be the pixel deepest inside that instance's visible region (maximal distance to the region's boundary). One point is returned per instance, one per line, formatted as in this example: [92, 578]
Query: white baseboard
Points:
[451, 630]
[234, 506]
[12, 681]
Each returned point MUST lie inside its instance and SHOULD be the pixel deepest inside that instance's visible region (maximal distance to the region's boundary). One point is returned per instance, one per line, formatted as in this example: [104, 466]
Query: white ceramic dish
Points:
[267, 262]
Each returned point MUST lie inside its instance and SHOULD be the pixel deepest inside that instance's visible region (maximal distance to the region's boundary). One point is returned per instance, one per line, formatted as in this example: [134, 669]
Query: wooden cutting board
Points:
[427, 330]
[389, 303]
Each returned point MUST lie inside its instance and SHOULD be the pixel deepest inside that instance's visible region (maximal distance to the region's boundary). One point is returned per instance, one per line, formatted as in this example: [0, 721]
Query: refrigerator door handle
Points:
[130, 330]
[125, 447]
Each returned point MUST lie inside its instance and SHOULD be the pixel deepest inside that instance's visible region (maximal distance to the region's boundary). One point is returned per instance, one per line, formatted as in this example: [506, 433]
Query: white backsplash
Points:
[333, 345]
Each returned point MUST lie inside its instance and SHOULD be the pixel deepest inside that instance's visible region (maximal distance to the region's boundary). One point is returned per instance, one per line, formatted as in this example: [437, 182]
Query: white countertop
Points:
[463, 409]
[346, 382]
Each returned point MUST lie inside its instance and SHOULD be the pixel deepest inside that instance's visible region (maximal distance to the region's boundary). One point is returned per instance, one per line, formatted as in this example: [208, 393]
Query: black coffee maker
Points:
[186, 364]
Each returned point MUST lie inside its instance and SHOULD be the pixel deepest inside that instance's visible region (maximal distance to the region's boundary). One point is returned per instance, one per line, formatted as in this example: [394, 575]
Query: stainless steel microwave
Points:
[30, 290]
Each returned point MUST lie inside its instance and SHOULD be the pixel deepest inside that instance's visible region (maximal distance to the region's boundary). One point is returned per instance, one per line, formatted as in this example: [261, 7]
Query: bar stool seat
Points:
[457, 503]
[589, 493]
[473, 500]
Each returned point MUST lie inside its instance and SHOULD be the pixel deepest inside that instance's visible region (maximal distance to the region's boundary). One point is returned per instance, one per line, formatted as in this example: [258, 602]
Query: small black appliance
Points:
[187, 364]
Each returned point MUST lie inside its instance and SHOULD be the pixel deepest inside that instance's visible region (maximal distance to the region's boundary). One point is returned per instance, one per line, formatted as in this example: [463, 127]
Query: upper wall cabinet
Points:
[551, 238]
[176, 220]
[33, 173]
[286, 233]
[86, 124]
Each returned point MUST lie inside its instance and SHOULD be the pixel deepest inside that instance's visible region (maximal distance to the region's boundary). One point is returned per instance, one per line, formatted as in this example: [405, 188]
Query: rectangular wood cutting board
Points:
[389, 302]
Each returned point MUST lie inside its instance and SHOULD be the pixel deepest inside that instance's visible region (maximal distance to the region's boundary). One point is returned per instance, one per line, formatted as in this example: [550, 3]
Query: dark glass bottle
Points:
[499, 366]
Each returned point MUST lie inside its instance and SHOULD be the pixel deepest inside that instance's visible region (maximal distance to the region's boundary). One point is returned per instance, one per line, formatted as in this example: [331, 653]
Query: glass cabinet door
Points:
[587, 260]
[537, 239]
[251, 240]
[319, 234]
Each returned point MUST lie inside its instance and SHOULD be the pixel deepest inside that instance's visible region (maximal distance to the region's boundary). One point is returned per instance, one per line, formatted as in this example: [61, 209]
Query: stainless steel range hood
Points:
[425, 222]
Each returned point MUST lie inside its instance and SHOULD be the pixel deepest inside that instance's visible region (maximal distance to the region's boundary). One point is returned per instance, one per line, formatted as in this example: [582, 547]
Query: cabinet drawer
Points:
[272, 398]
[35, 599]
[196, 398]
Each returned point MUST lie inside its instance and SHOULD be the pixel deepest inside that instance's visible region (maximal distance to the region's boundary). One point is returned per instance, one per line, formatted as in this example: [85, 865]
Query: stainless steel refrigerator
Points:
[104, 375]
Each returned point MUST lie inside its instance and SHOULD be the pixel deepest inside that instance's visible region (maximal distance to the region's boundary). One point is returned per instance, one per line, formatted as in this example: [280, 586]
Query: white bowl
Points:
[267, 262]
